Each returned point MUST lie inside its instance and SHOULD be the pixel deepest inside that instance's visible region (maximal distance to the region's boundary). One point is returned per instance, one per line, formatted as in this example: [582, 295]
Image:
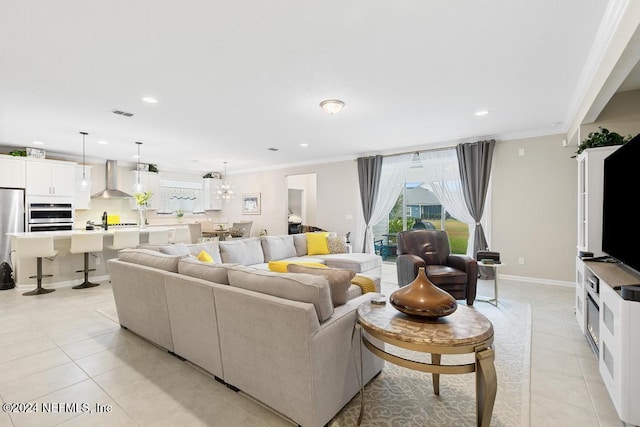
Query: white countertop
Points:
[67, 233]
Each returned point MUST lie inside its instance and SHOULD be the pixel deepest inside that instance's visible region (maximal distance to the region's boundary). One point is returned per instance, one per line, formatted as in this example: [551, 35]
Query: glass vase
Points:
[142, 217]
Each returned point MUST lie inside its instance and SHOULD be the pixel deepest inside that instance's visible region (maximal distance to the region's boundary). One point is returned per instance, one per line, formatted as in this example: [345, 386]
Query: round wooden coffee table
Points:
[464, 331]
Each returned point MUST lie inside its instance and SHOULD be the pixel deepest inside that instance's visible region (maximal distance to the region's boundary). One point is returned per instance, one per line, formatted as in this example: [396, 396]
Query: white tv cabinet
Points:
[619, 339]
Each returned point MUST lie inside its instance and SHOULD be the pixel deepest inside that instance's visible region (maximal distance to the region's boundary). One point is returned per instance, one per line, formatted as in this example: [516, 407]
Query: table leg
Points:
[495, 287]
[486, 386]
[435, 360]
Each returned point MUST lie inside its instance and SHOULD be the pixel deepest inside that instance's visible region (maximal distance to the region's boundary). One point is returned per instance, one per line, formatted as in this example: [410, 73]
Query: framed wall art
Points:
[251, 204]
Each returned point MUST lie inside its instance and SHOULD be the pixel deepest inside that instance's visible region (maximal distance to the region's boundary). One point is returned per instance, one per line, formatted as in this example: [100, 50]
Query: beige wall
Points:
[336, 197]
[534, 208]
[622, 115]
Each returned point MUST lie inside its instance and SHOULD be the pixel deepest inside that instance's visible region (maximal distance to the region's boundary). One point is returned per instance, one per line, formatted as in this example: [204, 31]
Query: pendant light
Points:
[85, 184]
[225, 189]
[138, 187]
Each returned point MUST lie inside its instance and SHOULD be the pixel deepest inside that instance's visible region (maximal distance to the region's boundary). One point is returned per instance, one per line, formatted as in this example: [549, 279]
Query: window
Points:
[417, 203]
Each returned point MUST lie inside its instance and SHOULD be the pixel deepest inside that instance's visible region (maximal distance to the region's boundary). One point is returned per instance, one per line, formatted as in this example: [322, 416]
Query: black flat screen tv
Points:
[620, 230]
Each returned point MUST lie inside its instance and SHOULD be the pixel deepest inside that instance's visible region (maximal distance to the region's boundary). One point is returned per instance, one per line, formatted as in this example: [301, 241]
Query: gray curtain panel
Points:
[369, 171]
[474, 161]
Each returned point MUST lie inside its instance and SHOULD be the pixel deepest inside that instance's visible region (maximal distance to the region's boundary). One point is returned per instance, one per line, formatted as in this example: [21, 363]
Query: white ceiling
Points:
[235, 78]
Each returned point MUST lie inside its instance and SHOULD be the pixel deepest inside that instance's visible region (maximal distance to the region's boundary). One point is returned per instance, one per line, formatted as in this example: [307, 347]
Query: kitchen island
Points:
[64, 265]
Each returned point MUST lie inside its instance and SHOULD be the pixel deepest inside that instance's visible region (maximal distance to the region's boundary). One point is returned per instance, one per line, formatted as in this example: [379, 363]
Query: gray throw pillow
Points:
[300, 243]
[177, 249]
[245, 251]
[277, 247]
[339, 280]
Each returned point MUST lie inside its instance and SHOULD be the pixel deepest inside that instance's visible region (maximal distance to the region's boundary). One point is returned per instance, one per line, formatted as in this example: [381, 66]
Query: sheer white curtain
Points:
[442, 177]
[392, 179]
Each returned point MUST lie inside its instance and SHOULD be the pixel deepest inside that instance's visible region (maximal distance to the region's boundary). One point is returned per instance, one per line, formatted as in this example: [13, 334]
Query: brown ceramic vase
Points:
[423, 298]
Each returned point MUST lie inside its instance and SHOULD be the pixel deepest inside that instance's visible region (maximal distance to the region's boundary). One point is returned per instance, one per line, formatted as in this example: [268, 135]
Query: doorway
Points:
[301, 202]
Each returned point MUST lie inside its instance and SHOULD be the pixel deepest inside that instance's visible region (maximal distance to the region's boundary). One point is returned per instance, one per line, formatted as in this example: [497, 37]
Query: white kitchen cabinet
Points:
[82, 198]
[151, 182]
[50, 178]
[12, 172]
[211, 200]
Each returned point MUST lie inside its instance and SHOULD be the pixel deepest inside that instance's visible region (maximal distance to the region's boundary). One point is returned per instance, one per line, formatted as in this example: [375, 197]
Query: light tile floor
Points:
[57, 349]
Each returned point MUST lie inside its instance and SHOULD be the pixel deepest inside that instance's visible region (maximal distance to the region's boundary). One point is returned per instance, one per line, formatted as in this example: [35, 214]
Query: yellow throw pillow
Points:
[317, 243]
[281, 266]
[204, 256]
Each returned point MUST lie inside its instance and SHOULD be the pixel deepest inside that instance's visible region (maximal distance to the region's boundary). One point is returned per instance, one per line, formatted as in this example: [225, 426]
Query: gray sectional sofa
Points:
[277, 337]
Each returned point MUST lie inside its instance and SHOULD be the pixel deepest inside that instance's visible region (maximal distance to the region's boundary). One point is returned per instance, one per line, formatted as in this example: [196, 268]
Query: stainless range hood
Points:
[111, 179]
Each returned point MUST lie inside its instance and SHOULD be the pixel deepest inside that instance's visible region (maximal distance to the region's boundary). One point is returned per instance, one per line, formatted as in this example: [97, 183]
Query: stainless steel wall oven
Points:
[50, 216]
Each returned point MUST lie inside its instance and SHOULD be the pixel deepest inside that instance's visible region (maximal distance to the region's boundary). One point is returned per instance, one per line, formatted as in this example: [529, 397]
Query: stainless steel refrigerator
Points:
[11, 219]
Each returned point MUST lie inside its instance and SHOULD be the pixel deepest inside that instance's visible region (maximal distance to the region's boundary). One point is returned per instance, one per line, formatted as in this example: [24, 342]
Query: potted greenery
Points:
[604, 138]
[179, 214]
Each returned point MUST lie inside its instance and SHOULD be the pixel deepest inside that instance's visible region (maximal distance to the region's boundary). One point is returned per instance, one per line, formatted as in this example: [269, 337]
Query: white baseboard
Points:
[537, 280]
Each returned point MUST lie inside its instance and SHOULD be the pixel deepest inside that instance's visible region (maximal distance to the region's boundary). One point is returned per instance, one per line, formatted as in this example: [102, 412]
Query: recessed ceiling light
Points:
[304, 144]
[482, 113]
[273, 149]
[38, 143]
[150, 100]
[556, 124]
[103, 142]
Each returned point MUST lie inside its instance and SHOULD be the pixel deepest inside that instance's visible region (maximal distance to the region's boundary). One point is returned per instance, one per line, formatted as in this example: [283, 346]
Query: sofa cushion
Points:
[244, 251]
[317, 243]
[204, 270]
[339, 280]
[178, 249]
[211, 248]
[297, 287]
[150, 258]
[277, 247]
[357, 262]
[300, 242]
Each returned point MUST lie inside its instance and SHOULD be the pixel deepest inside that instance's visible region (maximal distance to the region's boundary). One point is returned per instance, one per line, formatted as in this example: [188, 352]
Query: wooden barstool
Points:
[124, 239]
[85, 243]
[37, 247]
[158, 237]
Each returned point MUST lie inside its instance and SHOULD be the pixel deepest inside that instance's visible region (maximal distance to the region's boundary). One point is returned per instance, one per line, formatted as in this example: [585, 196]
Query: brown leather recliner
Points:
[456, 274]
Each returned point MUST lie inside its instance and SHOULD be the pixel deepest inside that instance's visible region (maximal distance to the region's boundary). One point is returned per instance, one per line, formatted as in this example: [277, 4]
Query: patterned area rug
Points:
[402, 397]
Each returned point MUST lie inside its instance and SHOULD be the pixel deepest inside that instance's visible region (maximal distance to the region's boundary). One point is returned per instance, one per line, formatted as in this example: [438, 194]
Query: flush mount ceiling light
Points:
[150, 100]
[224, 190]
[85, 184]
[332, 106]
[138, 187]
